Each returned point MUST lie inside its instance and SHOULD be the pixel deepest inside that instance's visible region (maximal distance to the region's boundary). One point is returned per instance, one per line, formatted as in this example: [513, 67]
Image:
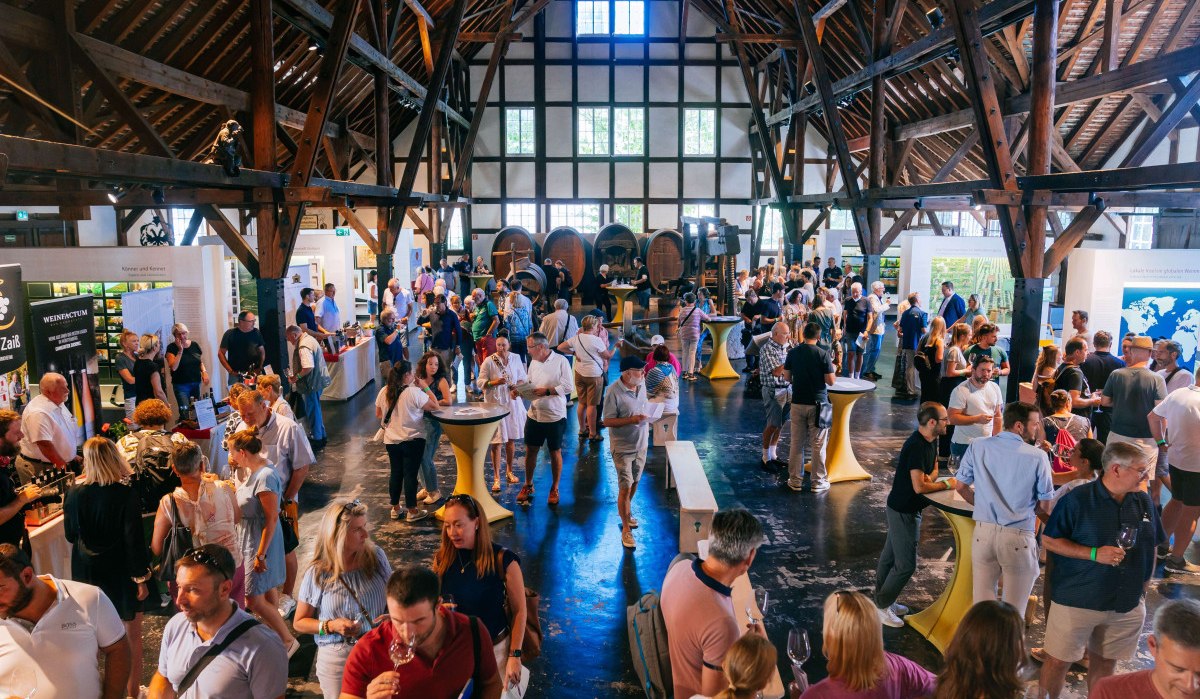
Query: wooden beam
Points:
[1071, 237]
[1153, 136]
[420, 11]
[189, 235]
[463, 166]
[231, 237]
[362, 231]
[981, 90]
[773, 39]
[827, 9]
[1041, 126]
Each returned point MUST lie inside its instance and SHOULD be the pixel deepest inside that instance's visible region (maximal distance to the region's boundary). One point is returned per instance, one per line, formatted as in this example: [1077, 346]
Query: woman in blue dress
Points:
[259, 491]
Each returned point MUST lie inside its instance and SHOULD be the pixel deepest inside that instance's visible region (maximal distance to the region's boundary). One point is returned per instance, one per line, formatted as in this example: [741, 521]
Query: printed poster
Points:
[14, 370]
[64, 342]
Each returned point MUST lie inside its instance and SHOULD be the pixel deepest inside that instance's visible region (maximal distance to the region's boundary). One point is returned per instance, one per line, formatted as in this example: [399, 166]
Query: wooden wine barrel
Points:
[663, 252]
[533, 279]
[566, 244]
[615, 246]
[510, 242]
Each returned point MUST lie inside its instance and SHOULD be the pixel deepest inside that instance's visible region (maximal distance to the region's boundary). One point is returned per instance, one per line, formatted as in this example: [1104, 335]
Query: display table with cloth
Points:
[939, 621]
[350, 370]
[51, 550]
[470, 429]
[718, 366]
[620, 294]
[840, 462]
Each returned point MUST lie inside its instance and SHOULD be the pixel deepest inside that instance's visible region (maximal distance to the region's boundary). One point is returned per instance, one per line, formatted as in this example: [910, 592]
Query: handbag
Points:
[531, 645]
[290, 539]
[386, 419]
[175, 546]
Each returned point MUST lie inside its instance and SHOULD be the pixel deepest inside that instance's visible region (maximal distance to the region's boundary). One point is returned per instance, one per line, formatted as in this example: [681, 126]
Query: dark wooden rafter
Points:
[964, 19]
[1040, 126]
[263, 128]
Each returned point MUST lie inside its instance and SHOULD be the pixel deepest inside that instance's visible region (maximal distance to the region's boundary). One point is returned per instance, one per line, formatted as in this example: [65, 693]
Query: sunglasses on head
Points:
[348, 506]
[466, 501]
[207, 560]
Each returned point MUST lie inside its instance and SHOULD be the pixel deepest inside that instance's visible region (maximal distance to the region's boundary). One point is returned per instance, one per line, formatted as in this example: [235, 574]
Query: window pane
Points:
[772, 237]
[593, 131]
[523, 215]
[1140, 233]
[454, 237]
[631, 215]
[584, 218]
[698, 132]
[698, 210]
[518, 131]
[592, 17]
[841, 219]
[631, 17]
[629, 131]
[180, 218]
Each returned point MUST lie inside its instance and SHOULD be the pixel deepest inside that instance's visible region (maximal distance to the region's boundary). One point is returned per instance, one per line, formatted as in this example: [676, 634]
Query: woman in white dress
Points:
[498, 374]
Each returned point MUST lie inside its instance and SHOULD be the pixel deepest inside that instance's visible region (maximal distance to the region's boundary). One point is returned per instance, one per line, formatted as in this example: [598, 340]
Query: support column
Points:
[272, 319]
[385, 268]
[870, 271]
[1026, 332]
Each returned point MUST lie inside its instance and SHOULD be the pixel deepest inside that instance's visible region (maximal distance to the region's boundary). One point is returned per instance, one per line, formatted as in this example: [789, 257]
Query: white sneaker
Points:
[422, 494]
[795, 485]
[899, 609]
[820, 486]
[888, 618]
[287, 606]
[431, 497]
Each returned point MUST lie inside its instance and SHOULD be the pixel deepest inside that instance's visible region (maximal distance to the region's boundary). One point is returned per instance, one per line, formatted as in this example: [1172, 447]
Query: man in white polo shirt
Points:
[50, 430]
[546, 421]
[51, 631]
[975, 406]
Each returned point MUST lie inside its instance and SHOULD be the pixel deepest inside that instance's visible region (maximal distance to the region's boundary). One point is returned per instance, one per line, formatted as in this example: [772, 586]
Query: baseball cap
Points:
[657, 340]
[628, 363]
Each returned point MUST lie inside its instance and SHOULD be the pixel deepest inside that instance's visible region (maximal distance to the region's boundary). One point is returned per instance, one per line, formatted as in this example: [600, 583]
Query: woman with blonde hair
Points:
[591, 362]
[933, 347]
[148, 370]
[986, 654]
[749, 666]
[102, 517]
[955, 370]
[497, 375]
[125, 363]
[343, 592]
[260, 534]
[858, 666]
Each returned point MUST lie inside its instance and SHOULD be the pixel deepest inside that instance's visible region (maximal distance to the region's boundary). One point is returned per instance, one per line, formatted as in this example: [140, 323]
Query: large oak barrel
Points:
[663, 252]
[510, 242]
[615, 246]
[566, 244]
[533, 279]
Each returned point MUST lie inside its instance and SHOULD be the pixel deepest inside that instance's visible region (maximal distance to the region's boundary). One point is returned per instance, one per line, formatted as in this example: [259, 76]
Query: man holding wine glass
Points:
[1102, 536]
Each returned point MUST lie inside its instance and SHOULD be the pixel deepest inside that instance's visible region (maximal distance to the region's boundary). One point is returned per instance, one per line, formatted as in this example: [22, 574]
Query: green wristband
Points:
[1093, 553]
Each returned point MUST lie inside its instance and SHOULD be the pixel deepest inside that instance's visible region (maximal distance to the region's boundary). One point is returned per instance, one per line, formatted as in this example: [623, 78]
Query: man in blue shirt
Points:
[953, 307]
[1101, 537]
[306, 318]
[1013, 480]
[912, 326]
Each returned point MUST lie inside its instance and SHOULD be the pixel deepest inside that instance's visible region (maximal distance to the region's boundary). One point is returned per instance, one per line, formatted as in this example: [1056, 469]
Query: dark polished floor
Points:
[573, 556]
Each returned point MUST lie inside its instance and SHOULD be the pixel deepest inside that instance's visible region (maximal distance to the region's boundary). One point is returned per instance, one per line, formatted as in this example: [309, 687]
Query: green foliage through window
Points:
[631, 215]
[518, 131]
[699, 132]
[593, 131]
[629, 131]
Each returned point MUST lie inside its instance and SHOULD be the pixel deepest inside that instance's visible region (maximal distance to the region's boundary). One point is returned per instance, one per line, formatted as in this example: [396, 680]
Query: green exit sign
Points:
[342, 232]
[22, 215]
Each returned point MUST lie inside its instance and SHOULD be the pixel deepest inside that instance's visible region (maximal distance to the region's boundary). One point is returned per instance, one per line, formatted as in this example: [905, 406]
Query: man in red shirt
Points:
[443, 652]
[1175, 646]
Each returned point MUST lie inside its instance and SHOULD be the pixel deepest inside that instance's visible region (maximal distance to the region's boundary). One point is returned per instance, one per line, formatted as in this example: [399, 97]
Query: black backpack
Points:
[152, 473]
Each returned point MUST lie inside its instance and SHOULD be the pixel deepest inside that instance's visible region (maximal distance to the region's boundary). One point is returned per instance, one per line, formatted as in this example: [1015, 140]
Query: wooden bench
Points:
[696, 502]
[663, 430]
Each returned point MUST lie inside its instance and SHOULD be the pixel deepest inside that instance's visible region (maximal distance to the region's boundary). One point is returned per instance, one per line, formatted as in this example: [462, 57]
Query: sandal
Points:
[496, 487]
[512, 477]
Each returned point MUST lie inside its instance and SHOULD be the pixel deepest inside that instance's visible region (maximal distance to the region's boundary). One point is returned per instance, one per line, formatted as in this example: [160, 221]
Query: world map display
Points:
[1160, 311]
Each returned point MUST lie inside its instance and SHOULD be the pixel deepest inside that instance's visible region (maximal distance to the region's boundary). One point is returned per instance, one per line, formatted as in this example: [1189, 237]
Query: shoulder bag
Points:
[175, 546]
[531, 645]
[211, 654]
[386, 419]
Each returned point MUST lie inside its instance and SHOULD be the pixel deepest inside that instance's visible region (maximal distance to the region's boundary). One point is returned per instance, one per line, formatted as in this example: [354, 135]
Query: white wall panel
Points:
[706, 52]
[698, 180]
[491, 132]
[559, 121]
[735, 180]
[558, 83]
[521, 49]
[518, 83]
[662, 216]
[558, 180]
[629, 50]
[699, 25]
[736, 214]
[519, 178]
[664, 132]
[593, 180]
[630, 180]
[558, 20]
[589, 50]
[699, 84]
[628, 83]
[664, 83]
[560, 51]
[477, 80]
[593, 82]
[485, 180]
[733, 88]
[664, 180]
[734, 139]
[485, 216]
[668, 51]
[664, 19]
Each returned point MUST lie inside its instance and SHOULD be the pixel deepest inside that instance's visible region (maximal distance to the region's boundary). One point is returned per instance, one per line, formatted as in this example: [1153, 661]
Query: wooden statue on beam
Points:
[226, 149]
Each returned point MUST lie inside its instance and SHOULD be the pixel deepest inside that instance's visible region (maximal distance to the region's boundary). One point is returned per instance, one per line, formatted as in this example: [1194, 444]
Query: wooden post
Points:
[1041, 124]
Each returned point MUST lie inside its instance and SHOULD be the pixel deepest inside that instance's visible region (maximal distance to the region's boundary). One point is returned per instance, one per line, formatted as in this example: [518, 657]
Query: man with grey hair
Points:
[559, 326]
[857, 320]
[1132, 392]
[50, 439]
[1166, 364]
[772, 357]
[546, 421]
[697, 604]
[1175, 647]
[308, 375]
[875, 333]
[1102, 537]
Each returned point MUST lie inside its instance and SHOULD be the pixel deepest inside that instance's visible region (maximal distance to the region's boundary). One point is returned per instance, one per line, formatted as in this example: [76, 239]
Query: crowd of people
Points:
[1065, 487]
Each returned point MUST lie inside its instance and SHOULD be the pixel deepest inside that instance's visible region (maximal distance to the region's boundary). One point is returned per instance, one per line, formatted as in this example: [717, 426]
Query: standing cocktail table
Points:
[470, 429]
[939, 621]
[718, 366]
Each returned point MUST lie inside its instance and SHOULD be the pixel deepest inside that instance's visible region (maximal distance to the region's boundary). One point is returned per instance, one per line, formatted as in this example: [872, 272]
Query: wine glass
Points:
[23, 681]
[402, 651]
[761, 600]
[1127, 537]
[448, 602]
[952, 464]
[798, 647]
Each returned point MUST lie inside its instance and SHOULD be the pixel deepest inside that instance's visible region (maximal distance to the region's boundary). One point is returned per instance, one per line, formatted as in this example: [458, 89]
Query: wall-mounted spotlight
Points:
[918, 204]
[159, 196]
[935, 17]
[116, 193]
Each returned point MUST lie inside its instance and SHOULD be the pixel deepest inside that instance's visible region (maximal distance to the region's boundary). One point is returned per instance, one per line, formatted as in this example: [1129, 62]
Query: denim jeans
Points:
[312, 406]
[874, 347]
[184, 392]
[433, 434]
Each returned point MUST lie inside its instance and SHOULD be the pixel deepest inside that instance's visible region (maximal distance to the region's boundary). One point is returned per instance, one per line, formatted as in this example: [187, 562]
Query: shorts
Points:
[548, 433]
[588, 389]
[850, 343]
[1109, 635]
[773, 411]
[1185, 486]
[629, 468]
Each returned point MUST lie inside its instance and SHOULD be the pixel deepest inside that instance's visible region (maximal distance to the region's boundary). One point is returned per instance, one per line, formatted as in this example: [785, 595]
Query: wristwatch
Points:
[515, 654]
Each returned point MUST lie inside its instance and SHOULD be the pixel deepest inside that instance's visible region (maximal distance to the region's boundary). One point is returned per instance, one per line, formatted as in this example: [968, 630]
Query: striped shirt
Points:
[334, 601]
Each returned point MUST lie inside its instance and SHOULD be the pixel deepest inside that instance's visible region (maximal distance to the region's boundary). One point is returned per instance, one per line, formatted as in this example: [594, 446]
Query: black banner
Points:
[65, 337]
[14, 373]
